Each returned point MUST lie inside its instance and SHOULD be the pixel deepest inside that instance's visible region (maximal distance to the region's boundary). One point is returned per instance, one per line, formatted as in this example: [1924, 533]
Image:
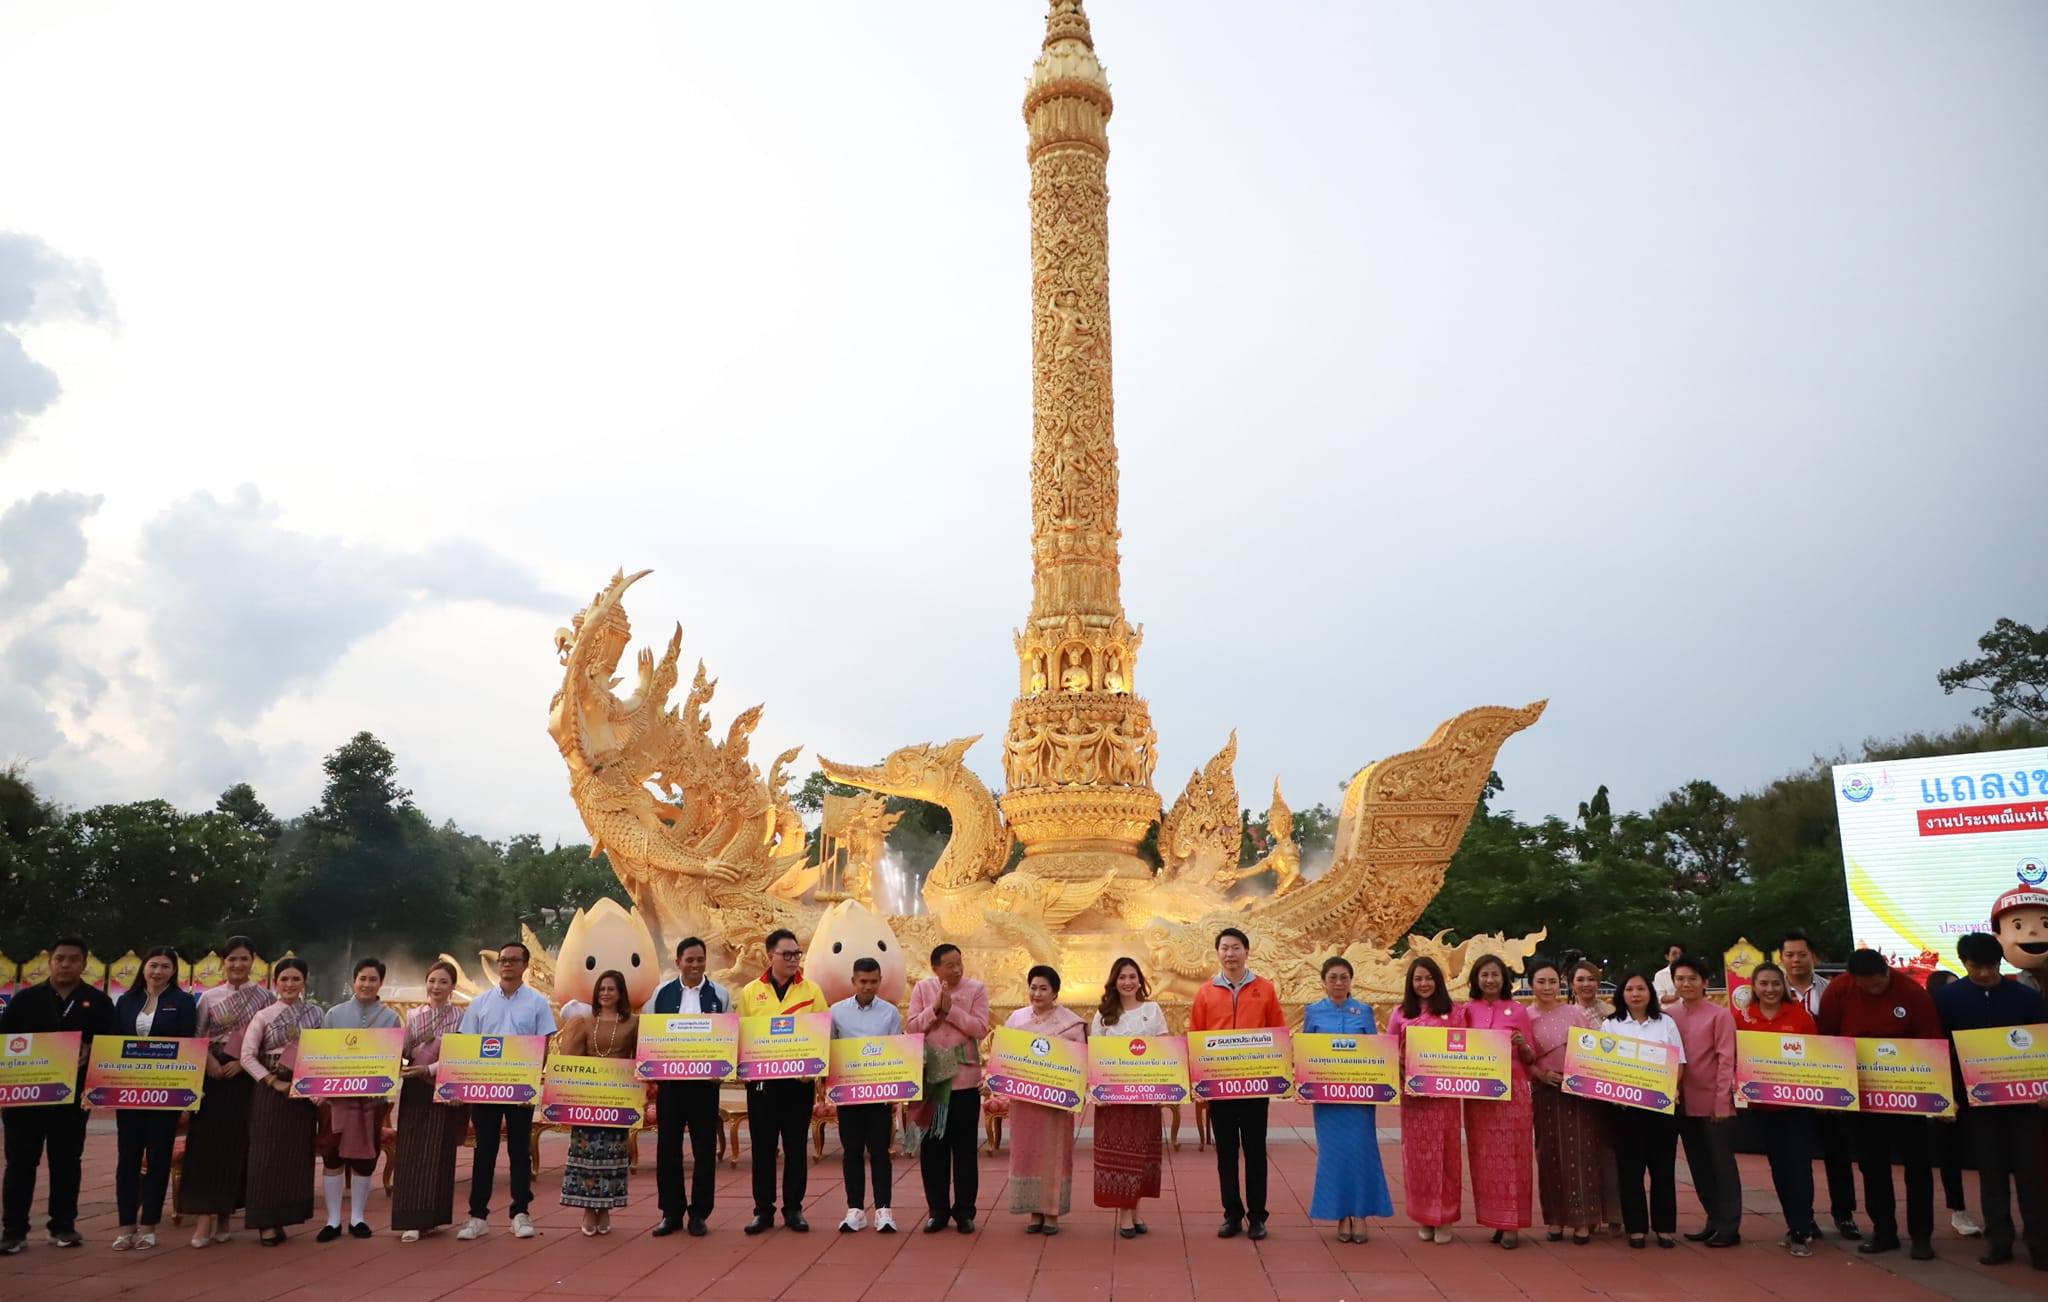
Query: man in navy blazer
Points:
[691, 1105]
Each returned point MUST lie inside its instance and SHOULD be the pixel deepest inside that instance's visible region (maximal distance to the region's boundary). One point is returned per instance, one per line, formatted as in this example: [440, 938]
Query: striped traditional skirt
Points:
[216, 1165]
[1041, 1159]
[423, 1169]
[594, 1172]
[281, 1135]
[1128, 1154]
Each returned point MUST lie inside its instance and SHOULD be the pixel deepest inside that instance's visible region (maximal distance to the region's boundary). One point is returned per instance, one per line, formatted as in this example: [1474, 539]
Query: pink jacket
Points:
[1707, 1082]
[965, 1022]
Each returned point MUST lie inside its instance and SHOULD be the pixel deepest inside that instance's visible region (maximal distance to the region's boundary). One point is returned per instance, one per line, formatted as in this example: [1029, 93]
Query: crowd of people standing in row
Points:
[251, 1145]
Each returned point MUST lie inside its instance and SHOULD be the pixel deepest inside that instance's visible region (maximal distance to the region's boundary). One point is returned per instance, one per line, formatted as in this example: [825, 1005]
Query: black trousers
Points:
[864, 1133]
[1646, 1146]
[517, 1122]
[1877, 1135]
[779, 1112]
[1838, 1158]
[1710, 1159]
[58, 1128]
[142, 1165]
[1949, 1143]
[951, 1163]
[691, 1106]
[1240, 1124]
[1789, 1144]
[2006, 1141]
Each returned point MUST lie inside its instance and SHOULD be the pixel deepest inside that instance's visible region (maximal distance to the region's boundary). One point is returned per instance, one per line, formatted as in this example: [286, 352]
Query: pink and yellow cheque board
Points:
[1347, 1068]
[689, 1046]
[1599, 1064]
[38, 1067]
[1458, 1062]
[2004, 1064]
[146, 1072]
[490, 1068]
[1905, 1076]
[1137, 1068]
[357, 1063]
[578, 1091]
[1049, 1070]
[876, 1069]
[787, 1046]
[1798, 1071]
[1246, 1064]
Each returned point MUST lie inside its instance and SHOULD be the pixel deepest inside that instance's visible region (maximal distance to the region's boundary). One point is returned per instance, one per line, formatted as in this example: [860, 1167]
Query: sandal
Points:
[410, 1236]
[124, 1241]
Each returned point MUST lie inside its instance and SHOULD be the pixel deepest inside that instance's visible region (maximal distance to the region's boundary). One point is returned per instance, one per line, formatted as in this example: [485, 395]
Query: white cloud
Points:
[38, 285]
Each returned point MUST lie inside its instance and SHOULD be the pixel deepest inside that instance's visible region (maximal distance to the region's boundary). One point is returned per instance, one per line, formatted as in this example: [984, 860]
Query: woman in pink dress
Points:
[1499, 1132]
[1574, 1164]
[1429, 1127]
[1042, 1137]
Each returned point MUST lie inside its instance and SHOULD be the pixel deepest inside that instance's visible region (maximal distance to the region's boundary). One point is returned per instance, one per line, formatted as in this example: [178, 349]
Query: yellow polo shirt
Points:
[758, 998]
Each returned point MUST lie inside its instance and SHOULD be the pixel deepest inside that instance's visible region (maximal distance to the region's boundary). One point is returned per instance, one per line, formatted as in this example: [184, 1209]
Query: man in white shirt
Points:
[687, 1105]
[1795, 955]
[865, 1128]
[509, 1008]
[1662, 983]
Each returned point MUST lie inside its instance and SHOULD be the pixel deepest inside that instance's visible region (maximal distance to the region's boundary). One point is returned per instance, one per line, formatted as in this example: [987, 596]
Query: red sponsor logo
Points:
[1137, 1047]
[2008, 816]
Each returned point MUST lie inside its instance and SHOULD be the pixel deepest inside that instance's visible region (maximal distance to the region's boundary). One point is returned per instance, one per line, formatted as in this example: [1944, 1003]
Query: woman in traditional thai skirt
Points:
[1499, 1133]
[1430, 1178]
[217, 1139]
[352, 1130]
[1350, 1183]
[281, 1128]
[1042, 1138]
[1574, 1162]
[594, 1173]
[429, 1131]
[1128, 1152]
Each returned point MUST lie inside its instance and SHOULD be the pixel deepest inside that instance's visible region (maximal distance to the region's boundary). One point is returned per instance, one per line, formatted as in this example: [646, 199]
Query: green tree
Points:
[2012, 673]
[547, 886]
[239, 802]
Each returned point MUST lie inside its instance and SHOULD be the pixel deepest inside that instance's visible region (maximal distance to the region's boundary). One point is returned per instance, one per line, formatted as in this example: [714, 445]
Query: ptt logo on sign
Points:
[493, 1047]
[1857, 790]
[782, 1026]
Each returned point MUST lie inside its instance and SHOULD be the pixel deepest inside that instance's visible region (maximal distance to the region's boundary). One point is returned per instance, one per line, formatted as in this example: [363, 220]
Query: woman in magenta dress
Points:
[1574, 1164]
[1429, 1127]
[1499, 1133]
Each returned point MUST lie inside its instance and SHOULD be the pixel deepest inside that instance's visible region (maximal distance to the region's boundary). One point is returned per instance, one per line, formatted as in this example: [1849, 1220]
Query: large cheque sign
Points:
[348, 1064]
[1458, 1062]
[1599, 1064]
[1049, 1070]
[876, 1069]
[787, 1046]
[1137, 1068]
[592, 1092]
[1347, 1068]
[2004, 1064]
[1801, 1071]
[1253, 1064]
[146, 1072]
[490, 1068]
[38, 1067]
[1907, 1076]
[689, 1046]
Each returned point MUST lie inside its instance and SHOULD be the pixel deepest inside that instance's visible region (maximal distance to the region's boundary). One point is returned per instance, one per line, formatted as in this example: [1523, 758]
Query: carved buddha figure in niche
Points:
[1075, 677]
[1113, 677]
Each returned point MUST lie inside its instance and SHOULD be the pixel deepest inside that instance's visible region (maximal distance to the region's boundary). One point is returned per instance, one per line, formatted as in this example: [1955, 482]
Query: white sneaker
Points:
[1966, 1225]
[884, 1222]
[855, 1220]
[522, 1227]
[473, 1228]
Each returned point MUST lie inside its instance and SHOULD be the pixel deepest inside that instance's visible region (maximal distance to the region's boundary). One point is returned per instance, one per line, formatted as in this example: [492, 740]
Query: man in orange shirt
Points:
[1238, 999]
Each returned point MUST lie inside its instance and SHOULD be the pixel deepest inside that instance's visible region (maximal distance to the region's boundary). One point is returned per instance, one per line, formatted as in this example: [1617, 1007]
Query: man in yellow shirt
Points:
[779, 1111]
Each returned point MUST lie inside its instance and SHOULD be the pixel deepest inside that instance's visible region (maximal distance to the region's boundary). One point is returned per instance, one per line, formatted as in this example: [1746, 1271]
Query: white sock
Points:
[331, 1185]
[358, 1199]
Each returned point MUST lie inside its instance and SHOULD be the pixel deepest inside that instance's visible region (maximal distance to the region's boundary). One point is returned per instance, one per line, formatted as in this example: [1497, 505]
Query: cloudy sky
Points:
[1682, 364]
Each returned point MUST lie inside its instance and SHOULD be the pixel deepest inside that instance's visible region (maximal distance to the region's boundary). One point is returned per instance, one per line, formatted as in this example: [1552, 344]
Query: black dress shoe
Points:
[697, 1227]
[1724, 1240]
[1847, 1229]
[966, 1225]
[1229, 1229]
[1126, 1232]
[1699, 1236]
[1141, 1227]
[666, 1227]
[1871, 1247]
[796, 1221]
[361, 1231]
[934, 1224]
[1923, 1250]
[1257, 1232]
[1995, 1256]
[327, 1234]
[760, 1224]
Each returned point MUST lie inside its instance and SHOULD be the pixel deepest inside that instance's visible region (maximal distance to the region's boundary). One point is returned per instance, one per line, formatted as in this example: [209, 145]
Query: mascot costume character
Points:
[606, 937]
[2020, 921]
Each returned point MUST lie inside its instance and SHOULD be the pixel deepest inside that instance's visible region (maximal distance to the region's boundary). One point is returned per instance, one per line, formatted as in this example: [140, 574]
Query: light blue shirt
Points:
[495, 1013]
[850, 1021]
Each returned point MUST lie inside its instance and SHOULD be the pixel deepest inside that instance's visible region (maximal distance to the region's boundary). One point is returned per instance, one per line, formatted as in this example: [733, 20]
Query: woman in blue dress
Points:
[1349, 1182]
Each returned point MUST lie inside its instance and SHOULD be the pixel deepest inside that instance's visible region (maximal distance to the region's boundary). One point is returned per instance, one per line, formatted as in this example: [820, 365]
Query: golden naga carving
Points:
[703, 841]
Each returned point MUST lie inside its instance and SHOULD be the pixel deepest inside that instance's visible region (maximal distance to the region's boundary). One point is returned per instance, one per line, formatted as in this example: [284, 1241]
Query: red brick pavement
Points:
[1180, 1259]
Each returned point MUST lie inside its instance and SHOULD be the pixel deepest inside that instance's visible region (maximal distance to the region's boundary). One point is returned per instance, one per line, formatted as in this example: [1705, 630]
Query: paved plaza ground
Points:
[1181, 1258]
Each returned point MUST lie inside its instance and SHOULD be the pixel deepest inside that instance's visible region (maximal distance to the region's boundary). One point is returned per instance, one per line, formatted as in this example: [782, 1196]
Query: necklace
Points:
[606, 1050]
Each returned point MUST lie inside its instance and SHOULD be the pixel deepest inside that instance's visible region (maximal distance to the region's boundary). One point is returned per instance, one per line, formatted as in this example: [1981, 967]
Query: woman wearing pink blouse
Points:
[1429, 1127]
[1498, 1132]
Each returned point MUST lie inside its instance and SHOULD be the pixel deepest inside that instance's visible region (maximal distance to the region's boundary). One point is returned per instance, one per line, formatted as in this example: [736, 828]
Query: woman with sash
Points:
[1573, 1160]
[1128, 1152]
[594, 1172]
[429, 1132]
[142, 1171]
[210, 1182]
[1350, 1184]
[1042, 1138]
[1430, 1176]
[281, 1128]
[352, 1130]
